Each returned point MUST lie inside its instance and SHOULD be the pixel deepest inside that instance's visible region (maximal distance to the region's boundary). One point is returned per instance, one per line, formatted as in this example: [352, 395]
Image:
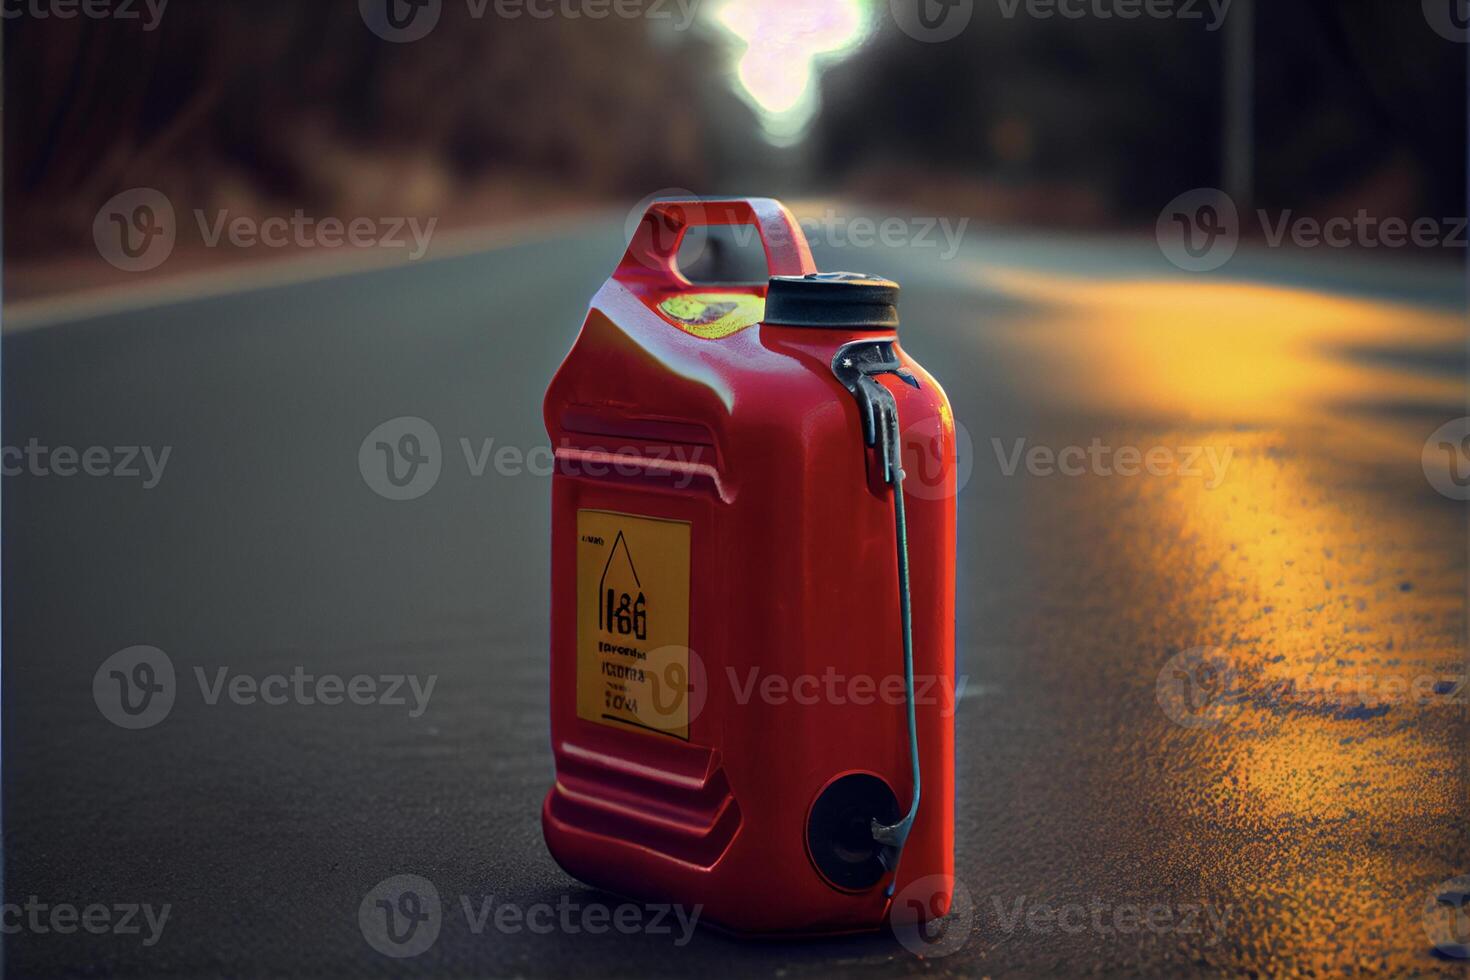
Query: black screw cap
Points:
[833, 301]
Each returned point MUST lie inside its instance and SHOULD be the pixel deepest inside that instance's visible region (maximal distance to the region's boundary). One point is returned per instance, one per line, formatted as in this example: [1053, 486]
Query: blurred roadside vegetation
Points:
[265, 106]
[1358, 103]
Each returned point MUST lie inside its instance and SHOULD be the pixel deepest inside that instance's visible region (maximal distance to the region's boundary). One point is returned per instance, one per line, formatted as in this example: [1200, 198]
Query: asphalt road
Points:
[1296, 817]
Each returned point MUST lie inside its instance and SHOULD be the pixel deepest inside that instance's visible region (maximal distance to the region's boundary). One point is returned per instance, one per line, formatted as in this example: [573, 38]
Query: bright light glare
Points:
[783, 41]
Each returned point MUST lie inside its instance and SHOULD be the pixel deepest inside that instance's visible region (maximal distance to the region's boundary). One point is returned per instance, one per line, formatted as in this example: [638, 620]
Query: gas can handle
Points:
[653, 254]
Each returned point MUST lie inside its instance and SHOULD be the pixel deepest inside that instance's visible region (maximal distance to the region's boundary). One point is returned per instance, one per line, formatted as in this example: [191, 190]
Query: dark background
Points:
[261, 105]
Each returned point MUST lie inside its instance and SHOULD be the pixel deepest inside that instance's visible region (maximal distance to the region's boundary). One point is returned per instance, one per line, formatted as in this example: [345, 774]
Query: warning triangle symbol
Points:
[619, 573]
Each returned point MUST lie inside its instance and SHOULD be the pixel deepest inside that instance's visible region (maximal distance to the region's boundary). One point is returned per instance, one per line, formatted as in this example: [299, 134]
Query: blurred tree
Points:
[258, 105]
[1078, 120]
[270, 105]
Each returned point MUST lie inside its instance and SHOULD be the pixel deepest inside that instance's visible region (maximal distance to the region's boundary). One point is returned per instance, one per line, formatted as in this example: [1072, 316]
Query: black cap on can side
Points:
[833, 301]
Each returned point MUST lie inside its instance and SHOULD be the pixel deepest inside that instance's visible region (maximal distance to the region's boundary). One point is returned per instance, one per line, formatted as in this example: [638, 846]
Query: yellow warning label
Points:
[713, 315]
[633, 622]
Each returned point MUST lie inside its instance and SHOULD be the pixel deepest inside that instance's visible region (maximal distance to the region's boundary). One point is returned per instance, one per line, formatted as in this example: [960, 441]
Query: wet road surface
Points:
[1211, 616]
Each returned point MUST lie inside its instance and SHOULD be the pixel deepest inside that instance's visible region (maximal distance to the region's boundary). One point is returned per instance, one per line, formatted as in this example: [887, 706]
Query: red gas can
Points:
[738, 718]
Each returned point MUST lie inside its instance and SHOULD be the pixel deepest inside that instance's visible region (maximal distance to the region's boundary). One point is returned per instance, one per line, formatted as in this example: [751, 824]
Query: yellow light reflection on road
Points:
[1323, 570]
[1236, 352]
